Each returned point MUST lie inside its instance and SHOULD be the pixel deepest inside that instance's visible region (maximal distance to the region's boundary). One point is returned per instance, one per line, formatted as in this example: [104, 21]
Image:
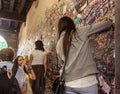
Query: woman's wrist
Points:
[30, 69]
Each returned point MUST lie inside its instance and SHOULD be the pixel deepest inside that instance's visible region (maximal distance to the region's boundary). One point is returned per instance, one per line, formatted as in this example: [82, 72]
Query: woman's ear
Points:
[9, 74]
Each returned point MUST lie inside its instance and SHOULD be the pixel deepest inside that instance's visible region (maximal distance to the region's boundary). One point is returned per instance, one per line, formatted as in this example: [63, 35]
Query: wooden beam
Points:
[21, 6]
[5, 28]
[15, 24]
[12, 16]
[9, 23]
[0, 4]
[11, 5]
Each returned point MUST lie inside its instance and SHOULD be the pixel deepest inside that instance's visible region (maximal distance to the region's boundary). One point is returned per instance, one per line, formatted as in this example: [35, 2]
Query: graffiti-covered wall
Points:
[42, 22]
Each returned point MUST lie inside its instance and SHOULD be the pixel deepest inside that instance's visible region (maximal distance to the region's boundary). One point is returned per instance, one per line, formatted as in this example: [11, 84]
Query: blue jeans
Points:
[87, 90]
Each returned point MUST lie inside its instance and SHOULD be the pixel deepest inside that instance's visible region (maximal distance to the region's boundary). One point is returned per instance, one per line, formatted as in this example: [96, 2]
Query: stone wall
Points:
[41, 23]
[42, 19]
[35, 28]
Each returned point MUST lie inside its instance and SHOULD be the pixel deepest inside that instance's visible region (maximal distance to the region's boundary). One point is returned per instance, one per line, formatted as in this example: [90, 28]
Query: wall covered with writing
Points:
[43, 26]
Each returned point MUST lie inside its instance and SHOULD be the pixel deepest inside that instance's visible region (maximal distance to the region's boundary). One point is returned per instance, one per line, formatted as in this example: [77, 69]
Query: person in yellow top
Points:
[30, 75]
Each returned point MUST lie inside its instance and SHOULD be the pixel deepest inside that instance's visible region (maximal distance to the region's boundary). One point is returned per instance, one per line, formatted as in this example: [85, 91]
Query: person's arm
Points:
[31, 59]
[9, 74]
[31, 73]
[24, 81]
[98, 27]
[24, 89]
[45, 64]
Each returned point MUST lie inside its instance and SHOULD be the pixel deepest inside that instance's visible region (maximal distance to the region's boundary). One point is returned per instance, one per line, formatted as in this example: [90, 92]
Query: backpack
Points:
[5, 82]
[9, 86]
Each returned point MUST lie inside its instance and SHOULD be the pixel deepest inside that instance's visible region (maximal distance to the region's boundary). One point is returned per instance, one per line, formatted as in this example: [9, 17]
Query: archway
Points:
[3, 43]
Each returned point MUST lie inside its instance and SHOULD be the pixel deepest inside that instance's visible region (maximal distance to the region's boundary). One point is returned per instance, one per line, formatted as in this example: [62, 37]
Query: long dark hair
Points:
[66, 25]
[39, 45]
[16, 60]
[16, 65]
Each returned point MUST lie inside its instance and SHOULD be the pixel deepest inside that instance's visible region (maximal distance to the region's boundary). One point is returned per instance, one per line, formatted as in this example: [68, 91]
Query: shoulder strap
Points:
[62, 75]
